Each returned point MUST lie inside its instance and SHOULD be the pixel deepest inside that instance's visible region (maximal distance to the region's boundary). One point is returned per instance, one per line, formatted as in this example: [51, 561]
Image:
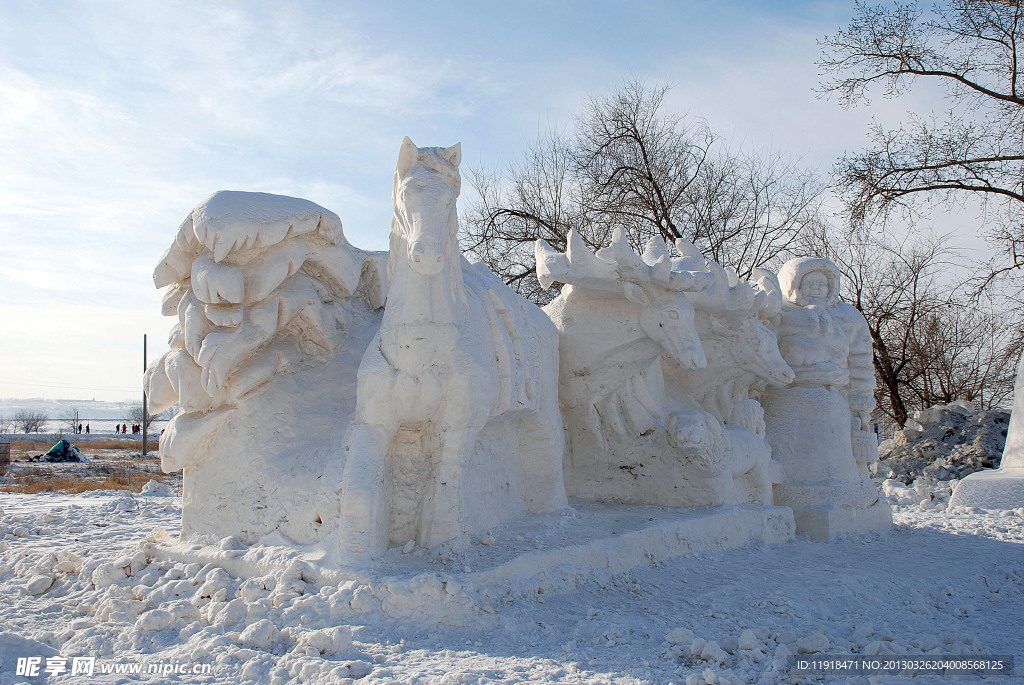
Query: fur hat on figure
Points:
[792, 274]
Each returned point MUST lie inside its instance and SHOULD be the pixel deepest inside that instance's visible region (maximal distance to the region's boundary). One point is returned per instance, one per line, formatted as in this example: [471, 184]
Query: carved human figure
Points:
[818, 426]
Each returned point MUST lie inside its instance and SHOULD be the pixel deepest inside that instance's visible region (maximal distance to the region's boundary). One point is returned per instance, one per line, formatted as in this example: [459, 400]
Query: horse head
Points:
[427, 184]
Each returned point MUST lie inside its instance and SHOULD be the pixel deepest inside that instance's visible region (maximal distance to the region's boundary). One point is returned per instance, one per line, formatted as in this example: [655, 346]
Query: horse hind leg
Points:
[541, 446]
[441, 514]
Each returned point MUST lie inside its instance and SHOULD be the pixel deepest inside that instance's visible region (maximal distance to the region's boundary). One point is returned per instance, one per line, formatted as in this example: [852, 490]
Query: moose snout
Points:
[426, 257]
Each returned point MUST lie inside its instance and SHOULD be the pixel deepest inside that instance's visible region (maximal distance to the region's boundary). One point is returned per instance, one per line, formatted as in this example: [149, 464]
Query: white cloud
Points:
[116, 118]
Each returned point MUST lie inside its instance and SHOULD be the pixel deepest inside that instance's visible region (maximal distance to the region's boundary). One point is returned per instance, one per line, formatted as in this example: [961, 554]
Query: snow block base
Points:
[531, 555]
[614, 539]
[826, 524]
[995, 489]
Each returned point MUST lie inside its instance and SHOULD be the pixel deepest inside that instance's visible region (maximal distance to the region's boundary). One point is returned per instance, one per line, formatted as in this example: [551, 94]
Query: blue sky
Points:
[116, 118]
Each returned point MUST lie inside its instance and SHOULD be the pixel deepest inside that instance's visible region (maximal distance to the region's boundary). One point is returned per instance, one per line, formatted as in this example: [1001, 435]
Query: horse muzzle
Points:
[425, 257]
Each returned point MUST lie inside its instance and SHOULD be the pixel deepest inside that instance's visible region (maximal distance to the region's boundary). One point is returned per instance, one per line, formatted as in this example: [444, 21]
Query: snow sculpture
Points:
[274, 308]
[634, 376]
[818, 426]
[1001, 488]
[457, 426]
[721, 399]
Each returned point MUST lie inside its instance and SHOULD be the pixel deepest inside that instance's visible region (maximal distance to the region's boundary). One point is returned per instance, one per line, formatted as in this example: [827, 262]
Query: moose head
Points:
[650, 282]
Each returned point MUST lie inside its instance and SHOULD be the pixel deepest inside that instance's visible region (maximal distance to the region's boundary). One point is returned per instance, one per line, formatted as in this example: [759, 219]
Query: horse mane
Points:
[431, 158]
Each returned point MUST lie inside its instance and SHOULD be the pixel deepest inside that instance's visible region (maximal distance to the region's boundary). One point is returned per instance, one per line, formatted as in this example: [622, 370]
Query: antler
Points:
[611, 266]
[578, 266]
[727, 295]
[768, 282]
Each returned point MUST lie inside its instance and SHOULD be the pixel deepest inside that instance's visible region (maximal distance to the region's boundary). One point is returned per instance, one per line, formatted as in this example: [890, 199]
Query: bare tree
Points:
[631, 165]
[30, 420]
[748, 210]
[965, 352]
[638, 162]
[542, 198]
[135, 414]
[975, 149]
[69, 421]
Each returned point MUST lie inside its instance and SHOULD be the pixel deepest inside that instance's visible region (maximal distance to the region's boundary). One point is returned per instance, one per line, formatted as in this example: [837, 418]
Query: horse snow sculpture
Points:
[274, 307]
[617, 315]
[457, 426]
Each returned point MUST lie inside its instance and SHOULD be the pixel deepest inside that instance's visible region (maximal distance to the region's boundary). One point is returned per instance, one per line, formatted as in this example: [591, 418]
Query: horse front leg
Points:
[443, 518]
[462, 417]
[365, 514]
[364, 511]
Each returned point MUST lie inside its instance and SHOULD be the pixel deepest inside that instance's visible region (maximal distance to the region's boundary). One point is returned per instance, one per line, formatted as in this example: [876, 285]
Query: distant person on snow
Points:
[117, 429]
[124, 428]
[86, 429]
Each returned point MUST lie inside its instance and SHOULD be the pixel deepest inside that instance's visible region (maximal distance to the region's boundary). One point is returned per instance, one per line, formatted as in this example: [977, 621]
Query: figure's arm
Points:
[861, 392]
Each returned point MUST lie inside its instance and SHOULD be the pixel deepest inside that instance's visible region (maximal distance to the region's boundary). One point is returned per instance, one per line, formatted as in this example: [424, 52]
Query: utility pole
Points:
[145, 403]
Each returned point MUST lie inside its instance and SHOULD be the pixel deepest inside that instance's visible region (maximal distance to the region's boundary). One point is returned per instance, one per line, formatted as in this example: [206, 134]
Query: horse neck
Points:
[416, 301]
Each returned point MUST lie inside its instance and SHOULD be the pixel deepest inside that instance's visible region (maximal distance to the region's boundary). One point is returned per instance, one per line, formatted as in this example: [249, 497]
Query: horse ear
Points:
[406, 156]
[453, 154]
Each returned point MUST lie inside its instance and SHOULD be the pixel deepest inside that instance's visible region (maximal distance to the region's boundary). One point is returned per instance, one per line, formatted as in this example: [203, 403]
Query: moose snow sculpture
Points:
[661, 363]
[617, 314]
[457, 426]
[720, 425]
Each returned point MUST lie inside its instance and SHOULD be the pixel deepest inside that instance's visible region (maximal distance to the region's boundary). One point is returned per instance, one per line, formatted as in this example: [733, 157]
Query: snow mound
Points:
[156, 489]
[944, 442]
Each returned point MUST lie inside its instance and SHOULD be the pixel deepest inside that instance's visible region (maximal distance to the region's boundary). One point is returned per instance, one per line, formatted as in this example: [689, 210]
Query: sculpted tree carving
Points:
[260, 284]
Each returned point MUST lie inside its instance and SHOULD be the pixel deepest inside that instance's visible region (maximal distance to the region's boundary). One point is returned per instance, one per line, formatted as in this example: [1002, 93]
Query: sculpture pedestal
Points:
[535, 554]
[809, 431]
[826, 524]
[1001, 488]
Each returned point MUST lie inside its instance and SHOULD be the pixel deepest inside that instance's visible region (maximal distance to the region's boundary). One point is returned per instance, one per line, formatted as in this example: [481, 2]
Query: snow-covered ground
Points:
[75, 585]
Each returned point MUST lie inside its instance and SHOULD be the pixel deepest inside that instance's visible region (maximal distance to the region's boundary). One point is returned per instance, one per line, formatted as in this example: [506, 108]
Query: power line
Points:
[64, 385]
